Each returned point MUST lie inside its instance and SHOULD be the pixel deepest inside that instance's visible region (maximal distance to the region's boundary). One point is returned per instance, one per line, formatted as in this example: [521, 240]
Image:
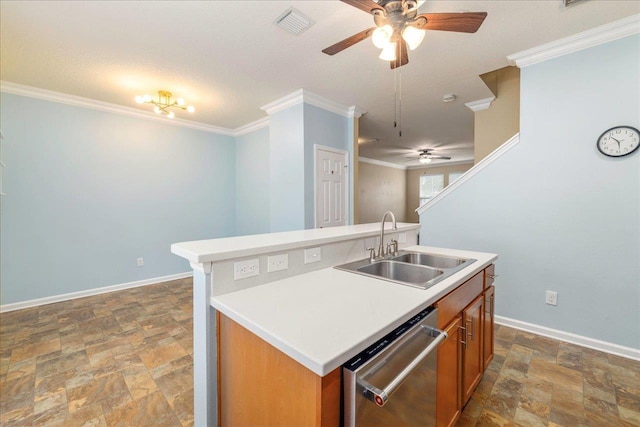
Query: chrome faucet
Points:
[381, 249]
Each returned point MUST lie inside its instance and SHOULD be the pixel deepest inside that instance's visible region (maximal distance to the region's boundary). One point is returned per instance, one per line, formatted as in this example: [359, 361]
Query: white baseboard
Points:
[606, 347]
[89, 292]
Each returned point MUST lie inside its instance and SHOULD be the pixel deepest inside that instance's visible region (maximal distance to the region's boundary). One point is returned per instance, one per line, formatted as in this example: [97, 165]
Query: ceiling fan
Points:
[398, 25]
[426, 156]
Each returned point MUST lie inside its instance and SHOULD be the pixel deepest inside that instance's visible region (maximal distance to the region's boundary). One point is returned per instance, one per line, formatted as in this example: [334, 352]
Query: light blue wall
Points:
[252, 183]
[321, 127]
[286, 168]
[88, 192]
[560, 215]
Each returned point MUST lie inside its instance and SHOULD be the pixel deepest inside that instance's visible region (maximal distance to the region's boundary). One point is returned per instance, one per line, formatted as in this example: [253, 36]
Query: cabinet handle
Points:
[492, 276]
[464, 334]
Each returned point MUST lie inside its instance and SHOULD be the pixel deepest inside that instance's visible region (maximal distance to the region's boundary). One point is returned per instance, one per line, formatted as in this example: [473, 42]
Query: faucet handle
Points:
[394, 245]
[372, 254]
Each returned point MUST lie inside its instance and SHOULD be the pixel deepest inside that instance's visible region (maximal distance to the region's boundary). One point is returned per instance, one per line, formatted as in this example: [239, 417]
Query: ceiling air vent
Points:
[293, 21]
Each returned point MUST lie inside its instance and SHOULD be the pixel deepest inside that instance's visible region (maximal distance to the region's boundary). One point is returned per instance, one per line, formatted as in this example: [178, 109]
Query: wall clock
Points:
[619, 141]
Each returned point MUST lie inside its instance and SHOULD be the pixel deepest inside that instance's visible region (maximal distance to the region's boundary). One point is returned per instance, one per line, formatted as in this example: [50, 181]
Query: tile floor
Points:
[125, 358]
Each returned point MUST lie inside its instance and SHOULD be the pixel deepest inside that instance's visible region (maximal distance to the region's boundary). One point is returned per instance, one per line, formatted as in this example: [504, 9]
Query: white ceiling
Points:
[228, 59]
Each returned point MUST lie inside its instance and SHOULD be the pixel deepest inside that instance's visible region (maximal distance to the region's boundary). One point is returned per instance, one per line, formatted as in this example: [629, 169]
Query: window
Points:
[430, 185]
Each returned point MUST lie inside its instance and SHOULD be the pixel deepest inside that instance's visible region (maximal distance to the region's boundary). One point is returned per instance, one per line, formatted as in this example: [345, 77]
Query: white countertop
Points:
[323, 318]
[233, 247]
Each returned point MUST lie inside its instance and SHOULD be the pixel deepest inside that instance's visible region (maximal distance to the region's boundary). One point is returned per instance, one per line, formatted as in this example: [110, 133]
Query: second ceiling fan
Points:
[398, 25]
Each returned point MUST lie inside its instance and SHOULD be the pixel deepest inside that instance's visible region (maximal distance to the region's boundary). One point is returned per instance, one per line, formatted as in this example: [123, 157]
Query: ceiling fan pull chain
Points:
[400, 101]
[395, 98]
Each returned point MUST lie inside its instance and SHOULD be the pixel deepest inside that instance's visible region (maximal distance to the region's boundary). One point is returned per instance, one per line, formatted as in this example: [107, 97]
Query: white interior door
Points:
[331, 187]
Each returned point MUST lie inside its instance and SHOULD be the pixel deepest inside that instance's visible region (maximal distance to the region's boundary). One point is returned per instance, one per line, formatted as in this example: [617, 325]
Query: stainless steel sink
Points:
[401, 272]
[430, 260]
[417, 269]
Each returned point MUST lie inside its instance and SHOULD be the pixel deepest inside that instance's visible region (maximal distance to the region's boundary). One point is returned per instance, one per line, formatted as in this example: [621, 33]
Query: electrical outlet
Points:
[402, 237]
[247, 268]
[312, 255]
[140, 262]
[277, 262]
[552, 298]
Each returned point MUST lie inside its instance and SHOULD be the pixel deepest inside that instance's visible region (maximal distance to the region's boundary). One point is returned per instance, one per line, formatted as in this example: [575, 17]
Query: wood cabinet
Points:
[487, 326]
[466, 314]
[472, 365]
[261, 386]
[450, 367]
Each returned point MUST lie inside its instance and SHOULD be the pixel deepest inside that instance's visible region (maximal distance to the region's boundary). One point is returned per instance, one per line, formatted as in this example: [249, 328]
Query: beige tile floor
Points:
[125, 358]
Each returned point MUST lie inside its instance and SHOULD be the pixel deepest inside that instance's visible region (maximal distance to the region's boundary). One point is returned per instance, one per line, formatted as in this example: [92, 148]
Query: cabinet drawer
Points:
[489, 275]
[454, 302]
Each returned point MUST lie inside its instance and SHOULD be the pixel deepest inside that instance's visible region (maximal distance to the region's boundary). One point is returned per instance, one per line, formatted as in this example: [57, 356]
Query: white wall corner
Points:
[508, 145]
[356, 112]
[302, 95]
[251, 127]
[480, 104]
[584, 40]
[78, 101]
[283, 103]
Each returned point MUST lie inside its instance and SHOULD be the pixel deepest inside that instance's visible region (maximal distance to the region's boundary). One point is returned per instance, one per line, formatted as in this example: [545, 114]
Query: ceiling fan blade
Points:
[348, 42]
[434, 156]
[464, 22]
[402, 57]
[365, 5]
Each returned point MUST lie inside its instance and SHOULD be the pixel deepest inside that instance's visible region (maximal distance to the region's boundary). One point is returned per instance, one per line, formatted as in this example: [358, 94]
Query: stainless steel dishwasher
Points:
[393, 382]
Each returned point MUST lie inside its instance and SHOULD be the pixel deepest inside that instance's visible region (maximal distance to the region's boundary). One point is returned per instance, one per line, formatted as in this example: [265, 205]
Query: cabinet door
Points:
[473, 357]
[448, 393]
[487, 337]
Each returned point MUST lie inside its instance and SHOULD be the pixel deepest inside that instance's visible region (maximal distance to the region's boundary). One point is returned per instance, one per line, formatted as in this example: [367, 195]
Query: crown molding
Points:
[301, 95]
[251, 127]
[584, 40]
[78, 101]
[480, 104]
[441, 164]
[381, 163]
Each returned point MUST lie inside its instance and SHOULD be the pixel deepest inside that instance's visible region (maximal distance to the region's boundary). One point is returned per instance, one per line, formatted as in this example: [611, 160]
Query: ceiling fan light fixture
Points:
[424, 159]
[382, 36]
[389, 52]
[413, 36]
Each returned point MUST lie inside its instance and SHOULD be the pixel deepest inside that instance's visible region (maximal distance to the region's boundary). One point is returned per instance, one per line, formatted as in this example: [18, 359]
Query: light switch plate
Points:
[277, 262]
[247, 268]
[402, 237]
[312, 255]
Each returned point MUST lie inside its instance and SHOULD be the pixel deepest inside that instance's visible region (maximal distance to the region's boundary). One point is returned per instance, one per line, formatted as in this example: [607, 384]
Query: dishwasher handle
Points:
[380, 397]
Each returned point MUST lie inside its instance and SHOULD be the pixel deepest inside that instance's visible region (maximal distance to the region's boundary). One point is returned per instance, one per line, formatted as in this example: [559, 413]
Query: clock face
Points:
[619, 141]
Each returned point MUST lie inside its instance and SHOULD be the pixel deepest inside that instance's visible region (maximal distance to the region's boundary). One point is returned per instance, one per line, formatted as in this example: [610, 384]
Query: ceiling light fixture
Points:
[424, 159]
[397, 21]
[164, 102]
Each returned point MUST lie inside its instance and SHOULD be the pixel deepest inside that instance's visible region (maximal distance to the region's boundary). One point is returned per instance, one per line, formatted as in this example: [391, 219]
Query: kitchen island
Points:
[315, 316]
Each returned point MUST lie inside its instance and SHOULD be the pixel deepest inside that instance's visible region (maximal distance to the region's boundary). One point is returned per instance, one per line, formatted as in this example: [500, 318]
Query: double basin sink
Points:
[417, 269]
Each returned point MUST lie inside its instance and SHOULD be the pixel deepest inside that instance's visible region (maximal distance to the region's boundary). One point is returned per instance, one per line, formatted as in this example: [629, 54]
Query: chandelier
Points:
[164, 103]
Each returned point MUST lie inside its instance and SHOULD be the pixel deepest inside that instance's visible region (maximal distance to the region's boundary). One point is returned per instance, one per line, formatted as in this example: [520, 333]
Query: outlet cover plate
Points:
[277, 262]
[312, 255]
[246, 268]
